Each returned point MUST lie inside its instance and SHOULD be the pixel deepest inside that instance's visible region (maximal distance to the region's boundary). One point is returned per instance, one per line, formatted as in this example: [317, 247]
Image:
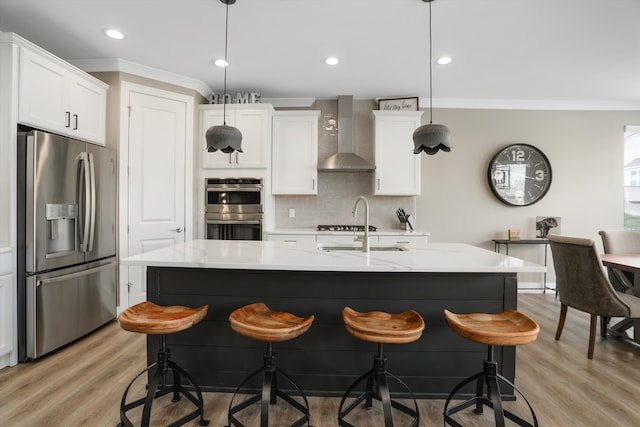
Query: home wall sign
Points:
[519, 175]
[240, 98]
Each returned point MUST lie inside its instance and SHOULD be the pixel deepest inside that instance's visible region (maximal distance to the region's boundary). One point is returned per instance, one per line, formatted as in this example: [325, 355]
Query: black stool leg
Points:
[269, 393]
[378, 375]
[492, 399]
[157, 388]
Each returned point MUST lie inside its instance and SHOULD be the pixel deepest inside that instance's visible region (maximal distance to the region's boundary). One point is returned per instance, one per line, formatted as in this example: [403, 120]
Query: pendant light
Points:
[223, 137]
[431, 138]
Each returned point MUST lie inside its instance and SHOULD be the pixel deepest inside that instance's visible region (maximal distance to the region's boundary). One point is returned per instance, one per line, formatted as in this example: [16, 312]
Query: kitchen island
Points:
[309, 278]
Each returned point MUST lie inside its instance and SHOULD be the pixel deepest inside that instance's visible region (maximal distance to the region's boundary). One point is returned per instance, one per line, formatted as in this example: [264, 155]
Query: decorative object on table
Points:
[432, 137]
[514, 234]
[403, 217]
[223, 137]
[519, 175]
[546, 225]
[399, 104]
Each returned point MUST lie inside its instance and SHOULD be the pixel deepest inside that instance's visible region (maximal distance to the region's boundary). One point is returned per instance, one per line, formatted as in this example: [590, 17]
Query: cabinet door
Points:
[217, 159]
[254, 126]
[295, 153]
[86, 103]
[6, 318]
[41, 98]
[397, 168]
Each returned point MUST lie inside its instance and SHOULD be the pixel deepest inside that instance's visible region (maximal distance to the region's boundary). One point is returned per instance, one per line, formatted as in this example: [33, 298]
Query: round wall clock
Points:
[519, 175]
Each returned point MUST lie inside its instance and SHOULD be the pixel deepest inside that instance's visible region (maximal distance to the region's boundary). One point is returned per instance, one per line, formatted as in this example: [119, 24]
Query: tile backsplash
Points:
[338, 191]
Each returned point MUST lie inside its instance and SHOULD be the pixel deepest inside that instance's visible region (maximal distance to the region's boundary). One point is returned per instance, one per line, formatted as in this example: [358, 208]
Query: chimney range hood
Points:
[345, 160]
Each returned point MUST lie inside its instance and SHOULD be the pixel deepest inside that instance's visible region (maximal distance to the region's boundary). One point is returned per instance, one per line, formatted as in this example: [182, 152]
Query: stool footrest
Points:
[269, 394]
[377, 388]
[491, 399]
[156, 389]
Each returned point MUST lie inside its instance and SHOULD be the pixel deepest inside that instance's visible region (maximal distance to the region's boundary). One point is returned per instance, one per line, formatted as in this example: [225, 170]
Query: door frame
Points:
[123, 177]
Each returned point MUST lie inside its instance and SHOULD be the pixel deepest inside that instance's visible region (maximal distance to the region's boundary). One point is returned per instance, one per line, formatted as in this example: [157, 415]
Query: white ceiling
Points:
[507, 53]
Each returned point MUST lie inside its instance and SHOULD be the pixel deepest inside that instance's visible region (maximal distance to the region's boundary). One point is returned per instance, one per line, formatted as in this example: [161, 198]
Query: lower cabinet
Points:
[292, 237]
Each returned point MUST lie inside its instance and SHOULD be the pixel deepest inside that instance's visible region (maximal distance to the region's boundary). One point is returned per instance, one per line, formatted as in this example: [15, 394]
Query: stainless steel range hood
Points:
[345, 160]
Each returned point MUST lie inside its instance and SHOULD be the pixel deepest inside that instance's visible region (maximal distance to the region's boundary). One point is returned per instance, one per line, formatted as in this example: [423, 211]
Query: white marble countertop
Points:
[305, 256]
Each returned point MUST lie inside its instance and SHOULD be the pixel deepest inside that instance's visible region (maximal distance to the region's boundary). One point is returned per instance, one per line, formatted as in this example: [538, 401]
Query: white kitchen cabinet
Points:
[57, 97]
[253, 121]
[335, 238]
[403, 239]
[295, 152]
[397, 168]
[294, 237]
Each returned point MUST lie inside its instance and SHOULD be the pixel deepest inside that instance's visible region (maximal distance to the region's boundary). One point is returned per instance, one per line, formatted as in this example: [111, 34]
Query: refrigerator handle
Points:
[92, 227]
[83, 184]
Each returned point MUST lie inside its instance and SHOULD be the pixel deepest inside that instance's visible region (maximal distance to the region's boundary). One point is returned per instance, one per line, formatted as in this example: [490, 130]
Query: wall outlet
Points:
[292, 213]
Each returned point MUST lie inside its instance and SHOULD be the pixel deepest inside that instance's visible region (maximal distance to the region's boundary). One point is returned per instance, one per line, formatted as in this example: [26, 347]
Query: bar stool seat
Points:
[149, 318]
[381, 328]
[258, 322]
[508, 328]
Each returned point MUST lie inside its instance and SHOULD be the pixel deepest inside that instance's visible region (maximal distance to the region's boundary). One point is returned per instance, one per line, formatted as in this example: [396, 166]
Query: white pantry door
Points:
[158, 200]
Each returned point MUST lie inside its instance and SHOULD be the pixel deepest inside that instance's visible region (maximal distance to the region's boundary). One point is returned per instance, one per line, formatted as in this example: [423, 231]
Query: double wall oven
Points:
[233, 208]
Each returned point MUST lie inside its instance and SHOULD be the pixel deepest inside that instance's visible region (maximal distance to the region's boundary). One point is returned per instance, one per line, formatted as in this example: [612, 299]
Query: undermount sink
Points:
[335, 247]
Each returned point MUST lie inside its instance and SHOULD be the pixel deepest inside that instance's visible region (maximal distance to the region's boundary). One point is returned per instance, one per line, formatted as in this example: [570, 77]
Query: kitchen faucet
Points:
[364, 239]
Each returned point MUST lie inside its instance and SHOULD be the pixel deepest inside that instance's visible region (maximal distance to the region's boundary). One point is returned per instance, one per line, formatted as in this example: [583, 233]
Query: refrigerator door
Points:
[67, 304]
[52, 211]
[102, 232]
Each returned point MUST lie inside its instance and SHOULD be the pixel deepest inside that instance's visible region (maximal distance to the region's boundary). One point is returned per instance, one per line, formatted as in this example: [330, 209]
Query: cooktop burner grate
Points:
[344, 228]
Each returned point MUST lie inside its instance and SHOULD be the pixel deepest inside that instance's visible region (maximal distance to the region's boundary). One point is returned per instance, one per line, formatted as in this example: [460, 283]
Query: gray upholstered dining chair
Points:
[583, 284]
[620, 242]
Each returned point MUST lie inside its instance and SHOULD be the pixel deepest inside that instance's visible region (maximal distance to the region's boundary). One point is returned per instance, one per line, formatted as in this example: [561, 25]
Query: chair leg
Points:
[563, 316]
[592, 335]
[604, 321]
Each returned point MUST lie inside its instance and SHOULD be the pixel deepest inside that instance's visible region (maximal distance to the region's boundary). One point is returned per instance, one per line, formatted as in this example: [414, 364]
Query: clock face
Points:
[520, 175]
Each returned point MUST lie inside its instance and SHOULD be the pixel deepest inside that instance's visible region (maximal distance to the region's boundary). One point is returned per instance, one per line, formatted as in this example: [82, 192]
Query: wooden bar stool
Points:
[504, 329]
[381, 328]
[258, 322]
[149, 318]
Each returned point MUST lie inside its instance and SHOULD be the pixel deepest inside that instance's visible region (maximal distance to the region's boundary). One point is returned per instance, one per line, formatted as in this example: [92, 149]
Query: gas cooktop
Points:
[344, 228]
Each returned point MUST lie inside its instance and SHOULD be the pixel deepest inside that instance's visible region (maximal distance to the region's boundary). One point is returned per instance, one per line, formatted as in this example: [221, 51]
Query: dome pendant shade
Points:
[431, 138]
[224, 138]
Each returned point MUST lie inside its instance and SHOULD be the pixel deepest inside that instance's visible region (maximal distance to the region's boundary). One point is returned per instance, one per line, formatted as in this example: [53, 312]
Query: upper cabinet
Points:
[57, 97]
[295, 152]
[397, 168]
[253, 121]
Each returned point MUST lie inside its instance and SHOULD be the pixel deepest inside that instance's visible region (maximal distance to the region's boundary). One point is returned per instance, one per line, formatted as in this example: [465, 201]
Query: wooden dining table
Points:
[630, 263]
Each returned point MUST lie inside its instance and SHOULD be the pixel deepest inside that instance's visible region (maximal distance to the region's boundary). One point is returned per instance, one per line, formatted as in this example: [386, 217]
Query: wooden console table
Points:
[545, 242]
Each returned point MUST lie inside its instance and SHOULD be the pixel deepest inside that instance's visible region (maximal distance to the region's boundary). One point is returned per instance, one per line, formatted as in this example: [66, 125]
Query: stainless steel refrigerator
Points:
[67, 269]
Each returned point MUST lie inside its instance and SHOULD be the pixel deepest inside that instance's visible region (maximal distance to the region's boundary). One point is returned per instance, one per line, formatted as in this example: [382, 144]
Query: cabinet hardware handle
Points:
[75, 118]
[313, 184]
[378, 183]
[67, 119]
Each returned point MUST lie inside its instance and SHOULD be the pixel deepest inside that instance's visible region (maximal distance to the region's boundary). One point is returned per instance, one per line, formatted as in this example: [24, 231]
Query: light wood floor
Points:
[82, 385]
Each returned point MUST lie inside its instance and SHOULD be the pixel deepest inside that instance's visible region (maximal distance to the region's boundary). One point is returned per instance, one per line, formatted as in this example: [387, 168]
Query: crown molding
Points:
[124, 66]
[532, 104]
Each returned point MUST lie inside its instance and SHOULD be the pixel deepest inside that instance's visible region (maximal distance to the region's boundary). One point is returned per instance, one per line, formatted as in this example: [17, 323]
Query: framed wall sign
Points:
[398, 104]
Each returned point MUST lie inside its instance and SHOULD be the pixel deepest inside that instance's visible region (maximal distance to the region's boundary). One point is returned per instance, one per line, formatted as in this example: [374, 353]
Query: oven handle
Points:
[233, 221]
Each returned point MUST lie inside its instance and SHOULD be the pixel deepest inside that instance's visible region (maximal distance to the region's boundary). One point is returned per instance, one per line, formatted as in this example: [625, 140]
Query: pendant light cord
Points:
[430, 71]
[224, 93]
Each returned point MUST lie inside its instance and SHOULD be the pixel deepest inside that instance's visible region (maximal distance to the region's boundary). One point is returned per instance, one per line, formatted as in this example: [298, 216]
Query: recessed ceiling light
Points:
[221, 63]
[444, 60]
[114, 34]
[332, 61]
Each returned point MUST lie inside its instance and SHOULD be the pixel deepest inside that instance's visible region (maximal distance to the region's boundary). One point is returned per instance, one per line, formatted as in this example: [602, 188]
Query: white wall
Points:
[585, 149]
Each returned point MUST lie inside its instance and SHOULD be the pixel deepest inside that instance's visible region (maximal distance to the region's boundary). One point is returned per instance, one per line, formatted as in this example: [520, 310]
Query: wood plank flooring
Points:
[81, 385]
